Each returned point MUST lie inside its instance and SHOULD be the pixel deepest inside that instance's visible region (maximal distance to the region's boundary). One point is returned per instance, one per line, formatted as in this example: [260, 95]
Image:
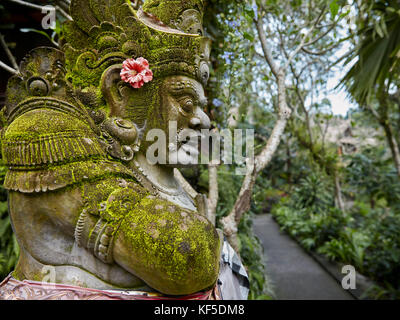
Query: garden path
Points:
[294, 274]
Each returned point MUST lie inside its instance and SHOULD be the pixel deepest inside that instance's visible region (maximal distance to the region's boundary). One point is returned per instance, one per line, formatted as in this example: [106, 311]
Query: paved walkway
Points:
[293, 273]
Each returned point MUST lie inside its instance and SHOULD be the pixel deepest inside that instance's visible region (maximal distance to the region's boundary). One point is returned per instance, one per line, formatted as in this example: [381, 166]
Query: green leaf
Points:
[248, 36]
[4, 224]
[58, 28]
[334, 9]
[37, 31]
[379, 30]
[249, 12]
[3, 207]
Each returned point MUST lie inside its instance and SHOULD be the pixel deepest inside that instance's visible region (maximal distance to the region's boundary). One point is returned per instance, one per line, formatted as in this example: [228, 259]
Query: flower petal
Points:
[136, 72]
[148, 76]
[143, 62]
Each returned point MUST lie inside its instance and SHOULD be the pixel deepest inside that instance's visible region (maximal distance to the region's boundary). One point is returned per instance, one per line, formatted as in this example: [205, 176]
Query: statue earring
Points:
[121, 138]
[117, 137]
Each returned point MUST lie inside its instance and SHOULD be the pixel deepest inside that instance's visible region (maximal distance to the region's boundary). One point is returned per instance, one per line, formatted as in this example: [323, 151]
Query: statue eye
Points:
[187, 104]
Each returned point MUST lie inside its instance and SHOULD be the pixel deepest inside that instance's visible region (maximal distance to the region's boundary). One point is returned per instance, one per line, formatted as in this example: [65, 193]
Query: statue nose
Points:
[200, 120]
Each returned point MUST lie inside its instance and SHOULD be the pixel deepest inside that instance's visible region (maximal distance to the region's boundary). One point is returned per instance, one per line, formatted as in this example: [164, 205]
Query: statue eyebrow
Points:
[203, 102]
[186, 87]
[176, 90]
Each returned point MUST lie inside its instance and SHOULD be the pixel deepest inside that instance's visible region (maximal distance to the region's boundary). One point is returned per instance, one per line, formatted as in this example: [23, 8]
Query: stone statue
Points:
[89, 211]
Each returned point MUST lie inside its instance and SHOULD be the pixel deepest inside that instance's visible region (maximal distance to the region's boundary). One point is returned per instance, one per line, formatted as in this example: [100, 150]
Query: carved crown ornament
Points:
[98, 38]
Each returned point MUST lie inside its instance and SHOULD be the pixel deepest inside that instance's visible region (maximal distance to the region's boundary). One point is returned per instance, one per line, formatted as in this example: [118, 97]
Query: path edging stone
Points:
[334, 269]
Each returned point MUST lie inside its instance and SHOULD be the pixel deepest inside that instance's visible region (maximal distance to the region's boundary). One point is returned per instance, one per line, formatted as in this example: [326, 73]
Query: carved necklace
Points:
[156, 186]
[178, 196]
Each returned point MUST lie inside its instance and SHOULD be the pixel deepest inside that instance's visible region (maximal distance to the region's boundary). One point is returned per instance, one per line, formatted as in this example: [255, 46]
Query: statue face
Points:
[181, 106]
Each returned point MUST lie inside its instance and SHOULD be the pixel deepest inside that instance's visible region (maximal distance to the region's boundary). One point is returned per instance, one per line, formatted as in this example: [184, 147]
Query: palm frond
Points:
[377, 54]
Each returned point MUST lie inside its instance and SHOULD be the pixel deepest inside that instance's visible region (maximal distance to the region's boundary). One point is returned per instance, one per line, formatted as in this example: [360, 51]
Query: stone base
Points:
[12, 289]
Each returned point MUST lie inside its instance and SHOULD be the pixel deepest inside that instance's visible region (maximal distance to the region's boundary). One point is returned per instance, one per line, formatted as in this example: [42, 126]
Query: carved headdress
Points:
[105, 32]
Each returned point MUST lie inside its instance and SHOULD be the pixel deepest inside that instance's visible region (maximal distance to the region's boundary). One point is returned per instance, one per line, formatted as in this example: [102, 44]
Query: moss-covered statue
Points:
[93, 218]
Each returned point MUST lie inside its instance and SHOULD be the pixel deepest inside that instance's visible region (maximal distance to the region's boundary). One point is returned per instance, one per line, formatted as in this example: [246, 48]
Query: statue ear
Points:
[110, 87]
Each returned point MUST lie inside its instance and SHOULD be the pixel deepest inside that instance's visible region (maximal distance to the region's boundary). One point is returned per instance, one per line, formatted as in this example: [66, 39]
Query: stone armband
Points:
[96, 236]
[97, 225]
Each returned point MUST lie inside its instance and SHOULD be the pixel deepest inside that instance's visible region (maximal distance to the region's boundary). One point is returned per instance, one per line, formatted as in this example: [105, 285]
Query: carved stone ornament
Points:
[84, 201]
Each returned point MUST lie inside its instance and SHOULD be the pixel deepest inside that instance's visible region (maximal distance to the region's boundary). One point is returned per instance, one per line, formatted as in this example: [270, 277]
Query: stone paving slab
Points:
[294, 274]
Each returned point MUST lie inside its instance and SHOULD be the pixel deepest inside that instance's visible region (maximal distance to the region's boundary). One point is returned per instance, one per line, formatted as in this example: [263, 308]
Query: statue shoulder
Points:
[43, 137]
[48, 148]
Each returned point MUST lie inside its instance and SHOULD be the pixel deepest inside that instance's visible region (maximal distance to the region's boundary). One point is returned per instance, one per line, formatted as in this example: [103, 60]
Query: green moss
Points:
[88, 54]
[170, 10]
[42, 138]
[108, 199]
[178, 246]
[17, 274]
[39, 122]
[174, 249]
[72, 34]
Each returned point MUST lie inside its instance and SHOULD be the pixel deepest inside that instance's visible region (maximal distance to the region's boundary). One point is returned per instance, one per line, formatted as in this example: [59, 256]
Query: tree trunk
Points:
[233, 117]
[254, 167]
[288, 163]
[230, 223]
[383, 119]
[338, 193]
[213, 192]
[394, 147]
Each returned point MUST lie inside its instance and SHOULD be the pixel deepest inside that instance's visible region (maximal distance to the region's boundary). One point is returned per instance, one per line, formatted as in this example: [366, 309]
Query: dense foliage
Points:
[367, 235]
[9, 250]
[336, 197]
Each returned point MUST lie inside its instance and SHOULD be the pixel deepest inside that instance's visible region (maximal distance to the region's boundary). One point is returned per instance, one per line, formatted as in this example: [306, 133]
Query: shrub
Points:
[9, 250]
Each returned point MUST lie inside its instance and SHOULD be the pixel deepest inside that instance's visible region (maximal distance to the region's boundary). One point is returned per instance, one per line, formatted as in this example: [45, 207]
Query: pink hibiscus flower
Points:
[136, 72]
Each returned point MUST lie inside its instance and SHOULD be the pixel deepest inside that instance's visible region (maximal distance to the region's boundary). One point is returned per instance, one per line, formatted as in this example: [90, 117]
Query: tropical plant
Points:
[373, 78]
[377, 51]
[9, 250]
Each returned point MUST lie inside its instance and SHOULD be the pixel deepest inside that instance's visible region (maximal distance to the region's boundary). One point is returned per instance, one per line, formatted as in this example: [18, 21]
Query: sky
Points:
[340, 103]
[338, 97]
